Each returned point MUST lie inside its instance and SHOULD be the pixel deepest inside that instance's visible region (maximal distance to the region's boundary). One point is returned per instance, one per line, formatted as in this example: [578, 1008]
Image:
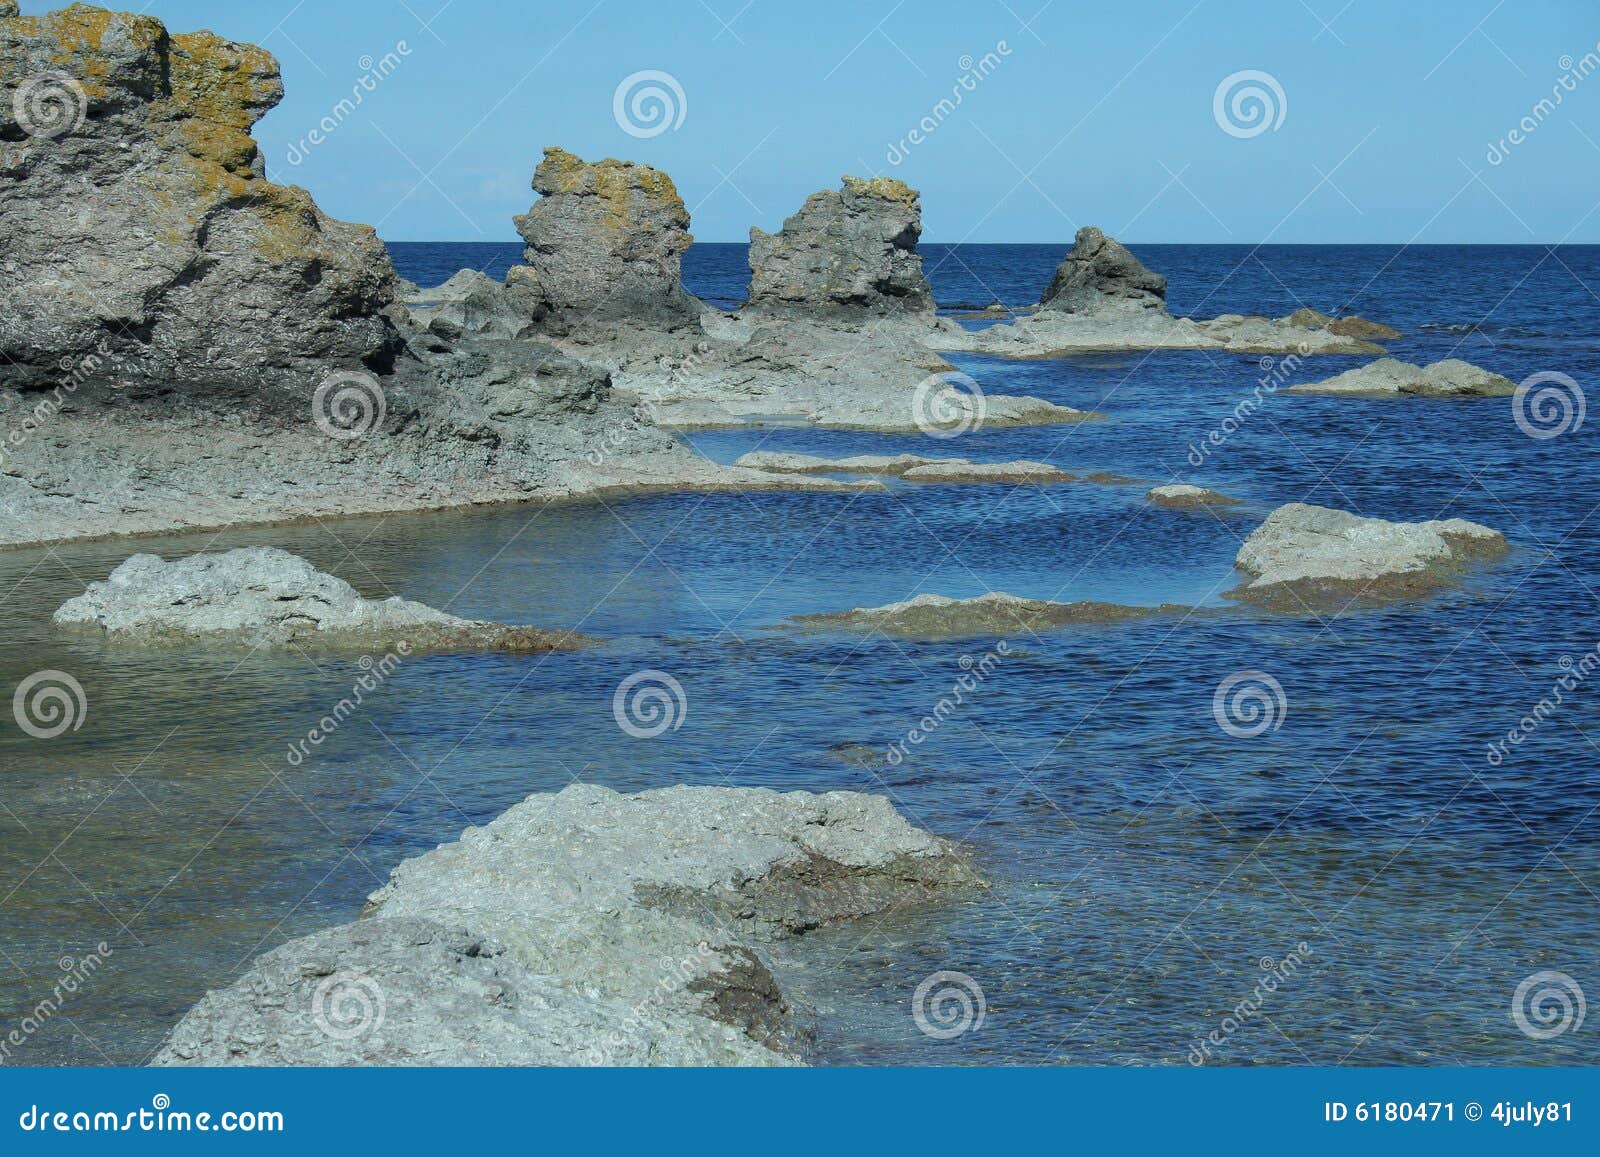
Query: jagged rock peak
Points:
[851, 249]
[1100, 271]
[606, 241]
[135, 212]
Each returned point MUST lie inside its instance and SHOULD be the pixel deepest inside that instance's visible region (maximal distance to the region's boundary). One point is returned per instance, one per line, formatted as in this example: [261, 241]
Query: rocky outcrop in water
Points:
[142, 244]
[911, 467]
[996, 613]
[1099, 272]
[1182, 496]
[581, 928]
[1309, 558]
[1389, 378]
[265, 597]
[1349, 325]
[606, 242]
[851, 250]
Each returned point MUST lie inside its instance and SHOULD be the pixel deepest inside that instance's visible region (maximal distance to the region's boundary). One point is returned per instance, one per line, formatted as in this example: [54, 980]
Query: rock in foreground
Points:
[1182, 496]
[263, 596]
[1312, 557]
[996, 613]
[581, 928]
[911, 467]
[1390, 378]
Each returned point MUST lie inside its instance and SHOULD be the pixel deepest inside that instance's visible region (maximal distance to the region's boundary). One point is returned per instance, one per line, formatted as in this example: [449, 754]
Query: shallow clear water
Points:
[1144, 862]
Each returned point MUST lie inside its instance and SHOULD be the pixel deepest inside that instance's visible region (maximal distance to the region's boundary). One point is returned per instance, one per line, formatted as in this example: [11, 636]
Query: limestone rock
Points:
[852, 250]
[782, 461]
[1389, 378]
[1182, 496]
[1347, 326]
[584, 927]
[606, 242]
[1099, 271]
[268, 597]
[996, 613]
[141, 242]
[960, 470]
[1313, 557]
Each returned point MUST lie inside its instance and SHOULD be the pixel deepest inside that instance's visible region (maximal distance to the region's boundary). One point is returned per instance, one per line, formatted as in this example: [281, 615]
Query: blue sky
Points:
[1095, 113]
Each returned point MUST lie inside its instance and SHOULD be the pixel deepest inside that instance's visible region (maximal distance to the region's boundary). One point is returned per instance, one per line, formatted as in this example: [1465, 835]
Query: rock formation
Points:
[1308, 558]
[851, 251]
[606, 242]
[1389, 378]
[1100, 272]
[581, 928]
[996, 613]
[265, 597]
[141, 241]
[1348, 326]
[1182, 496]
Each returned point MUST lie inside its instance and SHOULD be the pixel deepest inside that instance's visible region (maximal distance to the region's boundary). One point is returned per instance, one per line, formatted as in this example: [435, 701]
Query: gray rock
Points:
[996, 613]
[1019, 471]
[1307, 558]
[850, 250]
[1347, 326]
[606, 242]
[891, 464]
[586, 927]
[142, 245]
[1389, 378]
[263, 596]
[1182, 496]
[1100, 272]
[413, 992]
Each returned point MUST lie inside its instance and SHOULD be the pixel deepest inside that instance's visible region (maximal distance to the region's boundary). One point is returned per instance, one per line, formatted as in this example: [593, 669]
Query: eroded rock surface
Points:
[1182, 496]
[1389, 378]
[996, 613]
[1306, 558]
[141, 242]
[1099, 272]
[263, 596]
[586, 927]
[851, 250]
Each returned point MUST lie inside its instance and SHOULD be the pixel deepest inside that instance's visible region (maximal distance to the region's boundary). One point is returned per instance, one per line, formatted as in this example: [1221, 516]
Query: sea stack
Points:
[1099, 271]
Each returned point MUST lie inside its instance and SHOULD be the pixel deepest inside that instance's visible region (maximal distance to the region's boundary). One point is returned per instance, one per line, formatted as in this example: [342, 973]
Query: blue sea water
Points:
[1150, 871]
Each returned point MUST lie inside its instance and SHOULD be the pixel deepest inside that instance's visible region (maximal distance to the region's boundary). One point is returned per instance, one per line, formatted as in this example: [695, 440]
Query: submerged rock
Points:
[1313, 557]
[606, 242]
[1389, 378]
[584, 928]
[1182, 496]
[960, 470]
[912, 467]
[268, 597]
[1347, 326]
[996, 613]
[1100, 272]
[852, 250]
[143, 245]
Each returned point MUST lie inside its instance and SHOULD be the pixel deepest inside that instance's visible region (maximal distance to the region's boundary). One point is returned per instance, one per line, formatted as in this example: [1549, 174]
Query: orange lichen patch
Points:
[80, 34]
[615, 183]
[884, 188]
[223, 82]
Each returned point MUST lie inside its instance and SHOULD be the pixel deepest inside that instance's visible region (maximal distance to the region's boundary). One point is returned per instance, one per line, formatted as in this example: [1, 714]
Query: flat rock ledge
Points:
[911, 467]
[584, 927]
[996, 613]
[1390, 378]
[262, 596]
[1182, 496]
[1310, 558]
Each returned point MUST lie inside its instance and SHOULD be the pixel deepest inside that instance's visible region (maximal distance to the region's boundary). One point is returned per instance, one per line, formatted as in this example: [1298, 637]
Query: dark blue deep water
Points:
[1150, 870]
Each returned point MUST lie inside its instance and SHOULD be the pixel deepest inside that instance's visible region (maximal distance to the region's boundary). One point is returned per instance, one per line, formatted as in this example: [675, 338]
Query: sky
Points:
[1378, 121]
